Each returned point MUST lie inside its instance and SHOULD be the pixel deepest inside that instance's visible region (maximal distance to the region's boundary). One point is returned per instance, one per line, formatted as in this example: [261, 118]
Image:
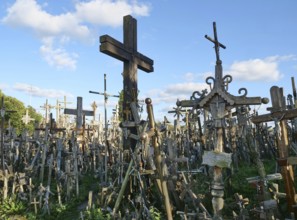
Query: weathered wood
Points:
[219, 159]
[219, 102]
[79, 113]
[279, 115]
[133, 60]
[284, 115]
[270, 177]
[158, 159]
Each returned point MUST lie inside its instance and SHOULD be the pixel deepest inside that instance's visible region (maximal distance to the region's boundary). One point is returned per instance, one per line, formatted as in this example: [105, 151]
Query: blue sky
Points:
[50, 49]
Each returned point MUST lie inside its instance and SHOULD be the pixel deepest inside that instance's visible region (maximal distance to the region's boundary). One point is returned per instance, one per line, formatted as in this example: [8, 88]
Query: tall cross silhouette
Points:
[216, 42]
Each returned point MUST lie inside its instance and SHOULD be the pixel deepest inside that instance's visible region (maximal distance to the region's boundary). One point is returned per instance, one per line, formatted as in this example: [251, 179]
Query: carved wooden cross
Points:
[279, 114]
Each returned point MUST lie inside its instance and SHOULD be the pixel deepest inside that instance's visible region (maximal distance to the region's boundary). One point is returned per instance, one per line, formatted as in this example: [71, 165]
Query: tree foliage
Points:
[14, 112]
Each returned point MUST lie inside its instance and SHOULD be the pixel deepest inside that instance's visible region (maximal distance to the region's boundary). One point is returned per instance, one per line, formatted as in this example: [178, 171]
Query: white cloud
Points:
[28, 14]
[58, 57]
[255, 70]
[259, 69]
[107, 12]
[39, 92]
[172, 92]
[69, 26]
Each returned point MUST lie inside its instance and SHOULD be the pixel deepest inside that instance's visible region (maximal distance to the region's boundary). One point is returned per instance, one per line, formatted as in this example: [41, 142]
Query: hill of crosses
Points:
[218, 159]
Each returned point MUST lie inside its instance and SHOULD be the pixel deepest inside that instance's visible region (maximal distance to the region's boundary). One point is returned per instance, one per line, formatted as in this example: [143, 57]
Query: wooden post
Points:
[44, 151]
[279, 115]
[121, 193]
[158, 158]
[5, 185]
[90, 200]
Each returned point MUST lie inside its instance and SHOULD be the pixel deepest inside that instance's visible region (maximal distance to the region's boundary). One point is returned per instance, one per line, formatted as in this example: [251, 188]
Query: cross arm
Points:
[69, 111]
[88, 113]
[283, 115]
[187, 103]
[212, 40]
[116, 49]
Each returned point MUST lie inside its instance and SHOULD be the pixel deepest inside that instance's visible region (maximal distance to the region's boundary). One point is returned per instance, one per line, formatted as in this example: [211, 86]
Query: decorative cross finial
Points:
[216, 42]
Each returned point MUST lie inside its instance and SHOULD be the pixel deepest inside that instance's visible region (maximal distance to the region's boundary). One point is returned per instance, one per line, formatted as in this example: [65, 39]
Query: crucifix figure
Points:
[133, 60]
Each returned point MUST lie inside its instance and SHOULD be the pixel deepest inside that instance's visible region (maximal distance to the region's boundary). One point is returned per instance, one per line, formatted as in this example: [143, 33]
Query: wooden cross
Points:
[127, 52]
[79, 112]
[26, 118]
[47, 109]
[279, 114]
[65, 103]
[218, 101]
[133, 60]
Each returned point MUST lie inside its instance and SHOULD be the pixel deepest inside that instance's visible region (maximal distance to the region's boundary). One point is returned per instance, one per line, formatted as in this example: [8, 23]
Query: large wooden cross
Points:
[279, 115]
[133, 60]
[127, 52]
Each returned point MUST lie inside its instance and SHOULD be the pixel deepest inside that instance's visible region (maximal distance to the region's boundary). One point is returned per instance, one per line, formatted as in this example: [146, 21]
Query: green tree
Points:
[15, 118]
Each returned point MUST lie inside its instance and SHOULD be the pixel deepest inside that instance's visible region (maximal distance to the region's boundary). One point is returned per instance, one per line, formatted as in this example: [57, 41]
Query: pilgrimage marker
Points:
[80, 113]
[106, 124]
[218, 102]
[279, 115]
[127, 52]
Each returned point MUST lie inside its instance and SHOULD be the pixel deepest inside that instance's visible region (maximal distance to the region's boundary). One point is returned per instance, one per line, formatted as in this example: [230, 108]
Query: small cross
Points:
[127, 113]
[216, 42]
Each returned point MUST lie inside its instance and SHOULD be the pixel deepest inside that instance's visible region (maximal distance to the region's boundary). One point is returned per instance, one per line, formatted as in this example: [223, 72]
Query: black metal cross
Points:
[216, 42]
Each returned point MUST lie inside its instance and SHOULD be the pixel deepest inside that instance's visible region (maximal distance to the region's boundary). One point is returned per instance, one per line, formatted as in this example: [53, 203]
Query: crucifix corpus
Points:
[133, 60]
